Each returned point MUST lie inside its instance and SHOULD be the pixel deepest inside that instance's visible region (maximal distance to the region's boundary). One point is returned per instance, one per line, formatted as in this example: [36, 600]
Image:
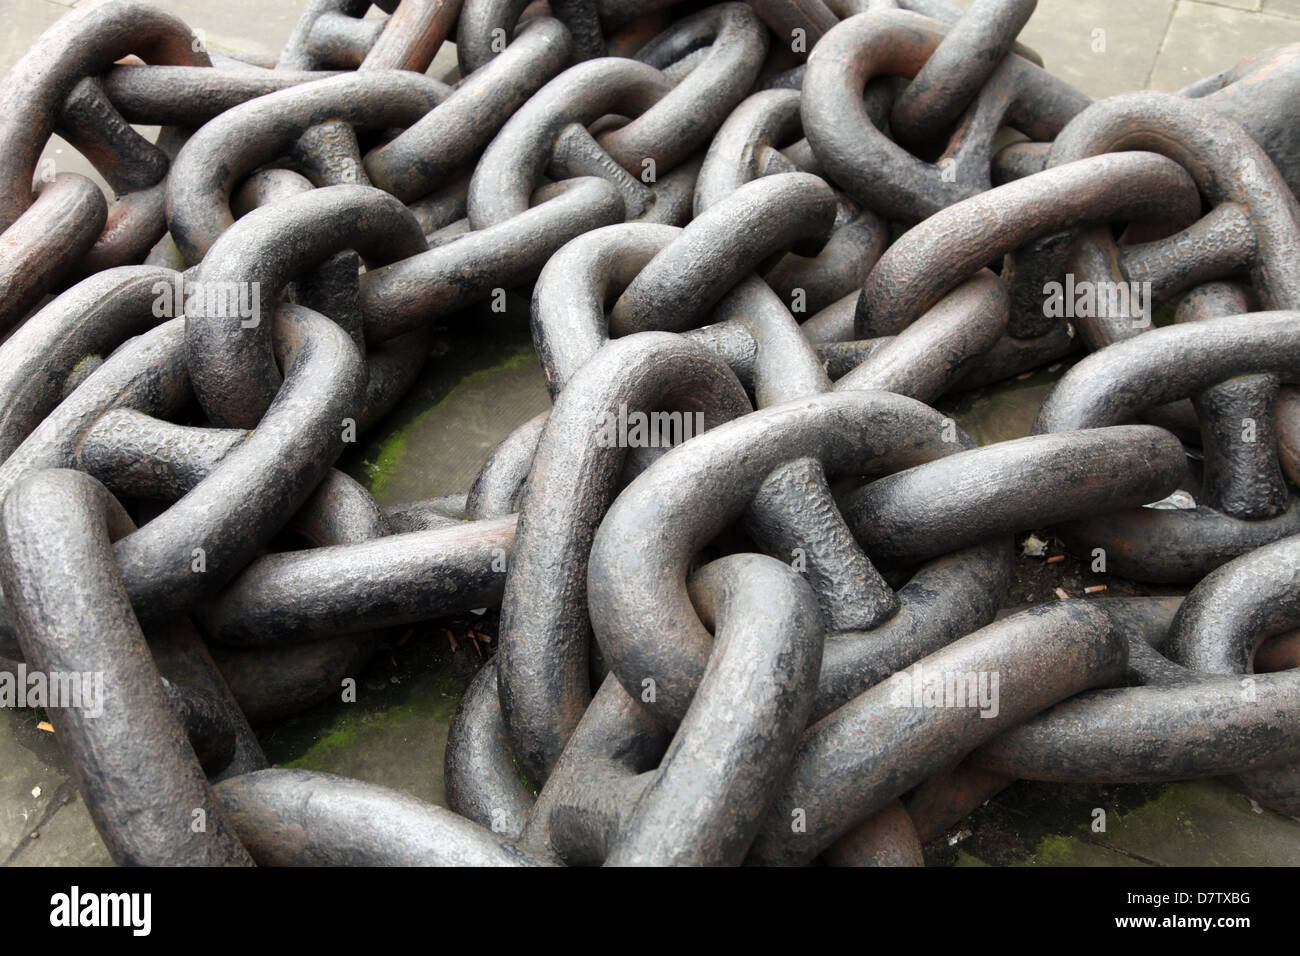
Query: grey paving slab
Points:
[394, 735]
[1101, 46]
[1204, 39]
[28, 781]
[1252, 6]
[1192, 823]
[1004, 411]
[443, 449]
[43, 821]
[1283, 8]
[68, 838]
[59, 156]
[1205, 823]
[482, 381]
[24, 21]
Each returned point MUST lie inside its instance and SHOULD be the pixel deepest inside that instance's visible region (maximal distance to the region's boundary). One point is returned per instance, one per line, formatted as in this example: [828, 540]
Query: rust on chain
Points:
[764, 244]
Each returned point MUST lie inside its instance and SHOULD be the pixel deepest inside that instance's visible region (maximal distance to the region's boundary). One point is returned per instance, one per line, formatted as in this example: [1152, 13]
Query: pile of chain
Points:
[777, 642]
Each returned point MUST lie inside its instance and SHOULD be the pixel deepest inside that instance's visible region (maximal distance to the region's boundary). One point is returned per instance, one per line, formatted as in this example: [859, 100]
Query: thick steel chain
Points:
[738, 552]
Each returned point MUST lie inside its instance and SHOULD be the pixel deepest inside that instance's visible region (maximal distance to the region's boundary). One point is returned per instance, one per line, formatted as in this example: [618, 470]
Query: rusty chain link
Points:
[743, 564]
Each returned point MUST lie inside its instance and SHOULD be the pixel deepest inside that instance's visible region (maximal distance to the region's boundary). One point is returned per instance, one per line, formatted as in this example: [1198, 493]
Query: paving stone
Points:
[394, 733]
[398, 745]
[1192, 823]
[1103, 47]
[483, 380]
[25, 20]
[1252, 6]
[1002, 411]
[28, 779]
[68, 838]
[1204, 39]
[1283, 8]
[1205, 823]
[37, 796]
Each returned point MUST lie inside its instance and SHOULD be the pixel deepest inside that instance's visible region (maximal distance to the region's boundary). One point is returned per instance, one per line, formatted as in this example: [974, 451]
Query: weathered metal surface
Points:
[133, 764]
[730, 553]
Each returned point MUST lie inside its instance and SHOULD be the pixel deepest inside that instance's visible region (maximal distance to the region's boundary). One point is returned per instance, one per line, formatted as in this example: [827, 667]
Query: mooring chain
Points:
[741, 563]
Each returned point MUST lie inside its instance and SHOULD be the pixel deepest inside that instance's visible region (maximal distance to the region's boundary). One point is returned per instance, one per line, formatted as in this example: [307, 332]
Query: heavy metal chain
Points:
[743, 566]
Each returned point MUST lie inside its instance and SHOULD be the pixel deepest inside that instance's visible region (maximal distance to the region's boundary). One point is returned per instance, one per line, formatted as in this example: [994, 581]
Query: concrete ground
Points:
[483, 381]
